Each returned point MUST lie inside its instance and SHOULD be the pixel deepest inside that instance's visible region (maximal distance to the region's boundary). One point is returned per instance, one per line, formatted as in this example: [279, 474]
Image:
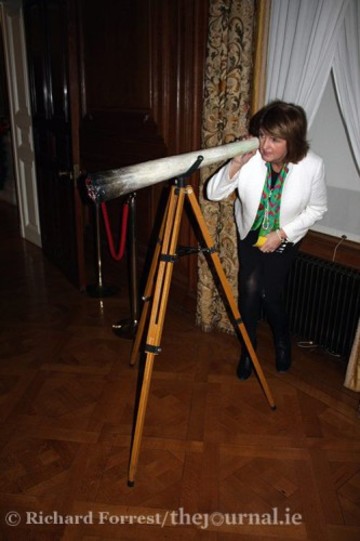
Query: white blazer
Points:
[303, 199]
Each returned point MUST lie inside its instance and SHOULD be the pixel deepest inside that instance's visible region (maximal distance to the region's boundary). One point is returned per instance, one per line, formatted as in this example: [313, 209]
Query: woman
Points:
[281, 194]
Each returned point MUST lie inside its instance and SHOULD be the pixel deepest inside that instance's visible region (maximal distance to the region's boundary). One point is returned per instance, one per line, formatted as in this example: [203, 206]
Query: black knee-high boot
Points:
[278, 320]
[245, 366]
[250, 299]
[250, 314]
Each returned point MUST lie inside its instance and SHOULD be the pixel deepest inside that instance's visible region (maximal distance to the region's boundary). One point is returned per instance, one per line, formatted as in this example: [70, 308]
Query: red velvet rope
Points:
[122, 242]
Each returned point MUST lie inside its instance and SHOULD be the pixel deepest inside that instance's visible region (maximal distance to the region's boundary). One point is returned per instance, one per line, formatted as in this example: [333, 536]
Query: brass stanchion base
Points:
[98, 291]
[125, 328]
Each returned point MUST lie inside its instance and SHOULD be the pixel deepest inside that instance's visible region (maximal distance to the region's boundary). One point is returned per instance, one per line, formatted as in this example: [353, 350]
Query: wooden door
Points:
[52, 102]
[20, 119]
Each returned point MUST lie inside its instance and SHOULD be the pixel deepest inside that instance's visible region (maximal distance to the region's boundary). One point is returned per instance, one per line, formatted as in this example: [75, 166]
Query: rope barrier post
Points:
[126, 328]
[99, 290]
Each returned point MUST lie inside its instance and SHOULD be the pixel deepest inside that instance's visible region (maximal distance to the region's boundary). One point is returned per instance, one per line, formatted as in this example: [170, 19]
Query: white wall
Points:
[328, 138]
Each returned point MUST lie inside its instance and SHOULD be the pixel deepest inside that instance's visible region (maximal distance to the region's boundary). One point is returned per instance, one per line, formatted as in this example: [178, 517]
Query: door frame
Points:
[20, 119]
[75, 107]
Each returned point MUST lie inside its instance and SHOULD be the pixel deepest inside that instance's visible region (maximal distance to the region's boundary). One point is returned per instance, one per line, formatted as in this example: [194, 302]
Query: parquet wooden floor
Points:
[216, 462]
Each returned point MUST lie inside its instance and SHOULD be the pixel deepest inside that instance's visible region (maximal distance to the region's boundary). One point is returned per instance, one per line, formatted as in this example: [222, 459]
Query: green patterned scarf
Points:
[267, 218]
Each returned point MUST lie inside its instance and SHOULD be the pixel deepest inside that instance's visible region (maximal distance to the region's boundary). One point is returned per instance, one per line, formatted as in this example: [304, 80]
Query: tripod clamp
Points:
[180, 180]
[180, 183]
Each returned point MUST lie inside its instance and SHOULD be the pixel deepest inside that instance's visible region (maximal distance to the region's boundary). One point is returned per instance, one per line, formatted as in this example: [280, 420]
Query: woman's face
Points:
[272, 149]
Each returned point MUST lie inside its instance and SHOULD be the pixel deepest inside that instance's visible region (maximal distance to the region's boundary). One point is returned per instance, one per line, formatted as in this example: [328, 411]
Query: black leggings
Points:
[262, 278]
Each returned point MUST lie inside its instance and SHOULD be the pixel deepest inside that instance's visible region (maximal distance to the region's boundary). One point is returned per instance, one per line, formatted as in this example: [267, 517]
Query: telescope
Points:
[106, 185]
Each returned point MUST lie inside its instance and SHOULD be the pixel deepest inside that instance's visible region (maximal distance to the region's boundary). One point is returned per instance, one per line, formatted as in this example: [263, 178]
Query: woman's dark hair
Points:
[286, 121]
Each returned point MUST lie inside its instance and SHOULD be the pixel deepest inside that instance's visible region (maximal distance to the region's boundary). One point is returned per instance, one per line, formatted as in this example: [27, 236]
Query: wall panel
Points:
[142, 97]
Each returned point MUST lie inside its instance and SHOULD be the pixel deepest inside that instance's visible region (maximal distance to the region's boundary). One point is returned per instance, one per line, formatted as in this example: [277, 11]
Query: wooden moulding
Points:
[324, 246]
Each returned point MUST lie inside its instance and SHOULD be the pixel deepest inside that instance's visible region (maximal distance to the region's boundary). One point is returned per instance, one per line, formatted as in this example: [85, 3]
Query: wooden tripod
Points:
[157, 293]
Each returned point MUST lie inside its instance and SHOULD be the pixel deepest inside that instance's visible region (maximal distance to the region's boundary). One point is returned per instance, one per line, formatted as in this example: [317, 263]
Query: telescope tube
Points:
[107, 185]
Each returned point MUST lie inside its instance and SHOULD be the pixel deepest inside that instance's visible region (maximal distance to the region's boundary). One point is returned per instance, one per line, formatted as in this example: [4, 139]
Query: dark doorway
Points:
[47, 40]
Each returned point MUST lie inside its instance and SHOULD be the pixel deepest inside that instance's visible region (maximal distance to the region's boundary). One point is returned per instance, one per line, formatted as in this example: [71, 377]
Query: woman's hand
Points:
[273, 241]
[238, 161]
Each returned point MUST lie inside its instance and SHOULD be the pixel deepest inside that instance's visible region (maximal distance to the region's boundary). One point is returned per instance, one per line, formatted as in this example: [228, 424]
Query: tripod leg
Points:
[140, 418]
[148, 292]
[228, 293]
[157, 315]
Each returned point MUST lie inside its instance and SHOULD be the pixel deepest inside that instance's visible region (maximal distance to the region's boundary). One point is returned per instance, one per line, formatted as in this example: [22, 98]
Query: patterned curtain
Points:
[227, 98]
